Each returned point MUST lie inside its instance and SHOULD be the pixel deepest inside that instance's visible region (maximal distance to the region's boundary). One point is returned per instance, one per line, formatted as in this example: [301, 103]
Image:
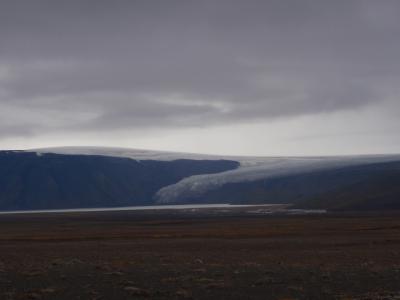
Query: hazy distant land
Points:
[90, 177]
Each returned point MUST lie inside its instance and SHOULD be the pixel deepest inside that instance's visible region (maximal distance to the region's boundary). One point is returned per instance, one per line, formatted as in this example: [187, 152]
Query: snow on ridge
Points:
[258, 169]
[136, 154]
[143, 154]
[250, 169]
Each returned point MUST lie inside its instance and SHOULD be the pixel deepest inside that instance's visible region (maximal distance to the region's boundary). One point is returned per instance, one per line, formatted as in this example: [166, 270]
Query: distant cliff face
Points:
[51, 181]
[31, 180]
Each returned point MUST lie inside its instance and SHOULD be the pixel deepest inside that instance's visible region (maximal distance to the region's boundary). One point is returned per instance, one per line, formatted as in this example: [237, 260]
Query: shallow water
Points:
[127, 208]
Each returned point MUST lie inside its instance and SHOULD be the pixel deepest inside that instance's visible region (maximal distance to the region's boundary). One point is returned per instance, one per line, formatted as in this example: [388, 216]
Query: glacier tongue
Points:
[258, 169]
[251, 168]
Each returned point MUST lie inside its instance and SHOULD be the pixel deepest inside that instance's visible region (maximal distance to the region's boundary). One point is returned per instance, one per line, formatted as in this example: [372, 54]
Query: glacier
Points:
[250, 168]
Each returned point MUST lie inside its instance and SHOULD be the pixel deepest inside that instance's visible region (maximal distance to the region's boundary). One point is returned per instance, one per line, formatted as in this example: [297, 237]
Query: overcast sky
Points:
[281, 77]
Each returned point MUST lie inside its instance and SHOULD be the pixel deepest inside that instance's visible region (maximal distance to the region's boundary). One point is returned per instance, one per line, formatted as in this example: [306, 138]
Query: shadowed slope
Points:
[31, 181]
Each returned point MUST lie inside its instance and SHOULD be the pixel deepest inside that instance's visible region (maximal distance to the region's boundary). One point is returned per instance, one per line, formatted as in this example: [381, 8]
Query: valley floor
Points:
[178, 255]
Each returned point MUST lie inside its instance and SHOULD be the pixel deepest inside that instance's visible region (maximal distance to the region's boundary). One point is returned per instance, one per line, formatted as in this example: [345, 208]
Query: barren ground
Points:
[186, 255]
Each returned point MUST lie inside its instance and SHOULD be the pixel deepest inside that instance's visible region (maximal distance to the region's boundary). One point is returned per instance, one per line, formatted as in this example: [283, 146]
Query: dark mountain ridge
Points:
[43, 180]
[364, 187]
[53, 181]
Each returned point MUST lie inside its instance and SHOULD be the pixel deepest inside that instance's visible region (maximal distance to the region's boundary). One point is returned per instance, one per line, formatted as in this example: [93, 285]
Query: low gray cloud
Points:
[110, 65]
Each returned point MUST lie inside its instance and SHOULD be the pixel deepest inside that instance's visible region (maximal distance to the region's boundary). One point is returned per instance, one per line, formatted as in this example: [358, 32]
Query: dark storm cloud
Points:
[106, 65]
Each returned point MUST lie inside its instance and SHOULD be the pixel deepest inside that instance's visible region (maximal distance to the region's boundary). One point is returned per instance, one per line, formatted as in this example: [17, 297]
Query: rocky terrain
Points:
[199, 255]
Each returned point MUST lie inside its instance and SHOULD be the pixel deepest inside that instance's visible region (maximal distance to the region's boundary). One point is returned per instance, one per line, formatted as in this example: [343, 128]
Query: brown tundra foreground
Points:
[199, 255]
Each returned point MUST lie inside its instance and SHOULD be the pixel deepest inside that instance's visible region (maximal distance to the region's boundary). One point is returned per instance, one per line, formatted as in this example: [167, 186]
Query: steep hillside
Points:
[375, 187]
[78, 177]
[46, 181]
[364, 187]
